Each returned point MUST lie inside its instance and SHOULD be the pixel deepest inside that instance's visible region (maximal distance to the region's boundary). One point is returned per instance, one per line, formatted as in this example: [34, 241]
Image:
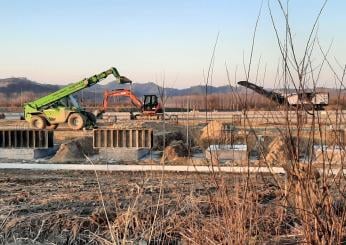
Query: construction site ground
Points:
[68, 207]
[196, 133]
[153, 207]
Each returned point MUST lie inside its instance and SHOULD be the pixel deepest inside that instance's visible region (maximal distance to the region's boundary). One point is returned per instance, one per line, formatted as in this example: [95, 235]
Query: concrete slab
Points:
[26, 153]
[219, 153]
[123, 154]
[329, 154]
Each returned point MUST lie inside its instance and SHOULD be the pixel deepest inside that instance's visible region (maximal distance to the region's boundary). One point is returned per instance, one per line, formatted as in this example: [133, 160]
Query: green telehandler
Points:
[60, 107]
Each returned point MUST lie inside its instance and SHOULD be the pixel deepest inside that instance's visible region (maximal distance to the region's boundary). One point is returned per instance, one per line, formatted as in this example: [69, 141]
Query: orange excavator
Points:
[150, 107]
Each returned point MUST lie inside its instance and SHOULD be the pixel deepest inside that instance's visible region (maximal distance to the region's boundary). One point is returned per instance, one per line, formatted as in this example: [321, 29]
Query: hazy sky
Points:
[60, 41]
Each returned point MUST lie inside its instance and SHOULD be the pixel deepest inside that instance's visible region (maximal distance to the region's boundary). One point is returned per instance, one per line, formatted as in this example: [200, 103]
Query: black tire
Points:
[76, 121]
[38, 122]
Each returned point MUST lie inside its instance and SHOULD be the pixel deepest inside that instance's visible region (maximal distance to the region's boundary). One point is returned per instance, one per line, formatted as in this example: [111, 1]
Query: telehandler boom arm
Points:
[60, 106]
[75, 87]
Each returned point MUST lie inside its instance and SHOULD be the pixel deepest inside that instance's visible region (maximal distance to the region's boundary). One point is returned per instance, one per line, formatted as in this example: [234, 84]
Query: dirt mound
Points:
[212, 134]
[175, 151]
[74, 150]
[133, 124]
[277, 152]
[212, 131]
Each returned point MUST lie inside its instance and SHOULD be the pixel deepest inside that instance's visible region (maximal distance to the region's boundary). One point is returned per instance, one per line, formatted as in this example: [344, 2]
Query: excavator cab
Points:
[151, 103]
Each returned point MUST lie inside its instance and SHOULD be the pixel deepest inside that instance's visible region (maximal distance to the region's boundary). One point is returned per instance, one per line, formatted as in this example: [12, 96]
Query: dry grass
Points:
[307, 205]
[186, 208]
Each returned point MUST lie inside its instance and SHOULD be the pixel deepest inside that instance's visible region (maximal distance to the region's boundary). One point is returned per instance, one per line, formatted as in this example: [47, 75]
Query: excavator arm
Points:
[75, 87]
[121, 92]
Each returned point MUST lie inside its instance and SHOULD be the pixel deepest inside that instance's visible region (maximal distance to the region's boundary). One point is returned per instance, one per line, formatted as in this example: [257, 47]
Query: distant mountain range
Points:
[10, 86]
[20, 85]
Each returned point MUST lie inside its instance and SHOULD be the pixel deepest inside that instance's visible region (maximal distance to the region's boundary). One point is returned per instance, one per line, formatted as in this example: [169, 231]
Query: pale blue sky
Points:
[60, 41]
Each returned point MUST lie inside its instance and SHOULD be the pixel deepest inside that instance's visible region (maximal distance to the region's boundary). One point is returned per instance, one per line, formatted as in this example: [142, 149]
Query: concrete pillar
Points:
[26, 138]
[123, 138]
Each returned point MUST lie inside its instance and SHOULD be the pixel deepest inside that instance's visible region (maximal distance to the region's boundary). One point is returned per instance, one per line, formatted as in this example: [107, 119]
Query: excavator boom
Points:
[121, 92]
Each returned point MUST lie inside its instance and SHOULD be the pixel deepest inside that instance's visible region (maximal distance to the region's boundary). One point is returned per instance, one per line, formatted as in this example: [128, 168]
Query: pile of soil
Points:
[175, 151]
[212, 134]
[74, 150]
[277, 152]
[212, 131]
[133, 124]
[63, 136]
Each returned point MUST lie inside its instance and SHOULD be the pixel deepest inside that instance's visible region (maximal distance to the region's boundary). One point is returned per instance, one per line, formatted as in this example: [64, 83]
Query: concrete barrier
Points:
[329, 154]
[26, 144]
[26, 138]
[123, 138]
[123, 144]
[222, 153]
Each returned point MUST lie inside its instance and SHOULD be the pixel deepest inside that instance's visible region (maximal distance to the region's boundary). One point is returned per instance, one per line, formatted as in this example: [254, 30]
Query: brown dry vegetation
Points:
[66, 208]
[155, 208]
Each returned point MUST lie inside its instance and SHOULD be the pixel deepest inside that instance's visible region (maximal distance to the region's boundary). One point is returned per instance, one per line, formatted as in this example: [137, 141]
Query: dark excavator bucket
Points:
[124, 80]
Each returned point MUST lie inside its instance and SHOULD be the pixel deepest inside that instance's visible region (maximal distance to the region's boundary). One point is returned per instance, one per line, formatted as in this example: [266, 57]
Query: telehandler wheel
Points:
[38, 122]
[76, 121]
[52, 126]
